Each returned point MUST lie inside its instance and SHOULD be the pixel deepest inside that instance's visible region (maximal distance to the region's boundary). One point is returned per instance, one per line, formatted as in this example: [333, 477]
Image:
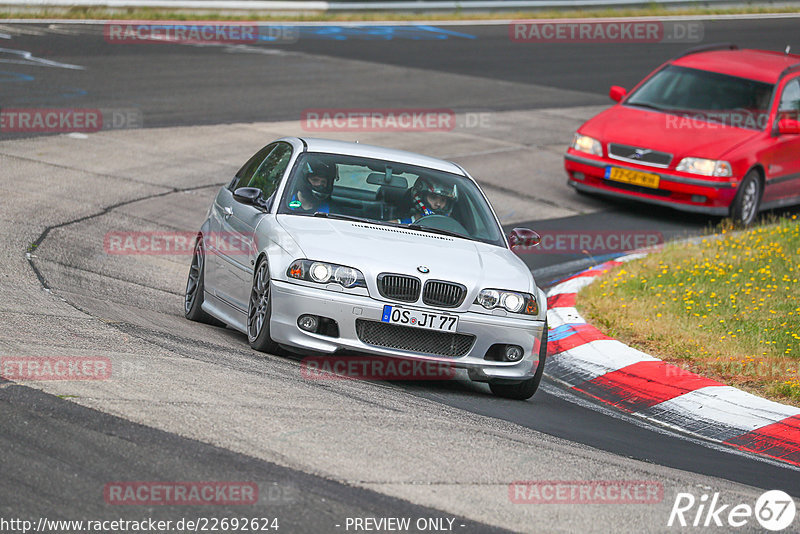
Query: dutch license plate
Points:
[419, 319]
[644, 179]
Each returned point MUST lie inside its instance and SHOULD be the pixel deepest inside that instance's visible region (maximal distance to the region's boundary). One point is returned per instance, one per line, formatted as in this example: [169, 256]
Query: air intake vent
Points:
[443, 294]
[419, 340]
[399, 287]
[402, 231]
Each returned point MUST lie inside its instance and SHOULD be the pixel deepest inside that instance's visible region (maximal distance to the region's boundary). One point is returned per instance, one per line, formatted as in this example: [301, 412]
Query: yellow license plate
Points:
[645, 179]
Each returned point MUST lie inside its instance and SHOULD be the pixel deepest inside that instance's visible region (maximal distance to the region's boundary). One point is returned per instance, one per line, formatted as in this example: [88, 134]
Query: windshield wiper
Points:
[344, 217]
[648, 106]
[423, 228]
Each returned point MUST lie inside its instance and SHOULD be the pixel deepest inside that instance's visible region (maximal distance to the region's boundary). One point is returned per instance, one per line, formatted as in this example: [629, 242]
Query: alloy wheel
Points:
[258, 308]
[749, 200]
[195, 272]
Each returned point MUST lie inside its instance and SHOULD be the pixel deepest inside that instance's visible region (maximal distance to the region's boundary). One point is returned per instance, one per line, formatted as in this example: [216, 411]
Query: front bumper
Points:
[290, 301]
[695, 194]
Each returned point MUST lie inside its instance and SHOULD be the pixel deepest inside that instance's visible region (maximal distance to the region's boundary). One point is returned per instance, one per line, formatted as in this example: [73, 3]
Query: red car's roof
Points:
[760, 65]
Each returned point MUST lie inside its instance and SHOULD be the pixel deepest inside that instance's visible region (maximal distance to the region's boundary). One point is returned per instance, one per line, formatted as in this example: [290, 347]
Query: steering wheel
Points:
[443, 222]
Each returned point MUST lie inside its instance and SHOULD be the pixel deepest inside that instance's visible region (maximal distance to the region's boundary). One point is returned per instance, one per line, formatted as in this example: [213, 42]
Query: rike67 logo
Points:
[774, 510]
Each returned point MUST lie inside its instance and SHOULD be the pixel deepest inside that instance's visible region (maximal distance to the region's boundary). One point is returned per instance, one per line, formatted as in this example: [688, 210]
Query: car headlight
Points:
[323, 273]
[587, 144]
[706, 167]
[511, 301]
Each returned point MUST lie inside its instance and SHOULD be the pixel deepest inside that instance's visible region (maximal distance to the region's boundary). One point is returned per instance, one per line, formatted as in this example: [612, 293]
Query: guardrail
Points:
[317, 5]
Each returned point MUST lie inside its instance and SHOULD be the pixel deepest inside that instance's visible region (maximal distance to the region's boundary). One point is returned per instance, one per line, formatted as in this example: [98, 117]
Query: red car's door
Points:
[782, 160]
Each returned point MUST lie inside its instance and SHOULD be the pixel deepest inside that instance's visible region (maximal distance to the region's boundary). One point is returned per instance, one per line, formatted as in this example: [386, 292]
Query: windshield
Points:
[704, 95]
[389, 193]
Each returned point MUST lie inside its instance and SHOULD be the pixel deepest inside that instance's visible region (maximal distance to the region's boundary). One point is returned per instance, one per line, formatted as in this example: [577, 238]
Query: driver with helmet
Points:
[429, 197]
[314, 187]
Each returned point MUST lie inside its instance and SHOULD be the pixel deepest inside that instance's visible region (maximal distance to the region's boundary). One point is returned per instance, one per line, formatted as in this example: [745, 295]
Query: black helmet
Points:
[426, 185]
[318, 167]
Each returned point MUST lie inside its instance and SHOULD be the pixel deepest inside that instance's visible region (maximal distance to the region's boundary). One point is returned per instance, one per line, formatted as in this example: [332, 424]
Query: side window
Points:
[269, 173]
[790, 101]
[245, 174]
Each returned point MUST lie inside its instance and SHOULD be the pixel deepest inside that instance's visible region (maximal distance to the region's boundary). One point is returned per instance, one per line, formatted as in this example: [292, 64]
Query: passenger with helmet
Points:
[430, 197]
[314, 189]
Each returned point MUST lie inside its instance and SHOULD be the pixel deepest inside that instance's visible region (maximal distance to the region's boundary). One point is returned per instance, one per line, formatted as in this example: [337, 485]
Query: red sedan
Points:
[715, 130]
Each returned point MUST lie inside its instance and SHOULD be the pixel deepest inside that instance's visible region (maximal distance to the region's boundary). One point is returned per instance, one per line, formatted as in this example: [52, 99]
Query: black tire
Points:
[195, 286]
[259, 311]
[744, 208]
[523, 390]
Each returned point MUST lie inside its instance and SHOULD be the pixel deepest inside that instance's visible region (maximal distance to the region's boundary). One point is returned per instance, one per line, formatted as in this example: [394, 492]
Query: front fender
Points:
[541, 299]
[277, 245]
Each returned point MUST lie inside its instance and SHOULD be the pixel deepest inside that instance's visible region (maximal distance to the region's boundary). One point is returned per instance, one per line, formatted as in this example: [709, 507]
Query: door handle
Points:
[228, 211]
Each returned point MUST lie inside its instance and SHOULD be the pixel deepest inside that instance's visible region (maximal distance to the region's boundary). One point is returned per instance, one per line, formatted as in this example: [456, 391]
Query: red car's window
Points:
[789, 107]
[706, 95]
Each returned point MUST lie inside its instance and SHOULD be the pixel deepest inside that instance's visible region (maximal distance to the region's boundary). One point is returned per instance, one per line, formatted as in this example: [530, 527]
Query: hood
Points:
[374, 249]
[665, 132]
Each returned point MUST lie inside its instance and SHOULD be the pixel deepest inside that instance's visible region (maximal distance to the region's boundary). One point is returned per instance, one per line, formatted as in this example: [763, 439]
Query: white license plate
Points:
[419, 319]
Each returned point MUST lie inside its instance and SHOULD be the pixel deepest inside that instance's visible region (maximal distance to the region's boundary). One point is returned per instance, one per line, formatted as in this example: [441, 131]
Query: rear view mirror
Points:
[248, 195]
[376, 178]
[617, 93]
[523, 238]
[788, 126]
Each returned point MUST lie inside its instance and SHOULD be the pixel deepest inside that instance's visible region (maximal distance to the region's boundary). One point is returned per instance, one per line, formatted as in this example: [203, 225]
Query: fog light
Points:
[513, 353]
[308, 323]
[579, 176]
[699, 198]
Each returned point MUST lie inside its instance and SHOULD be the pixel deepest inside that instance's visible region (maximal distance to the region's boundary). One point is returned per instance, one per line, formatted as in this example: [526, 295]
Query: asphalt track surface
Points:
[181, 86]
[175, 86]
[57, 457]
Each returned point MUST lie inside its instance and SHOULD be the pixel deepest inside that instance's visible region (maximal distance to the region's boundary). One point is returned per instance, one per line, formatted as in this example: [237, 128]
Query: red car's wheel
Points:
[744, 208]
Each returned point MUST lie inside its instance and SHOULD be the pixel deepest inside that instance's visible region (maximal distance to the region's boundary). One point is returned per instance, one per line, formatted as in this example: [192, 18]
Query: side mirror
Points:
[788, 126]
[617, 93]
[248, 195]
[523, 238]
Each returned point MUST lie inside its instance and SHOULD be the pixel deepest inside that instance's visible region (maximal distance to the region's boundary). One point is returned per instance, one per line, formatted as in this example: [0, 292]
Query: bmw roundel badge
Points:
[423, 269]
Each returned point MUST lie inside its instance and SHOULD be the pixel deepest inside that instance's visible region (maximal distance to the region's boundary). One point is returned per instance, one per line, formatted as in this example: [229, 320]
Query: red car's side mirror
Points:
[523, 238]
[788, 126]
[617, 93]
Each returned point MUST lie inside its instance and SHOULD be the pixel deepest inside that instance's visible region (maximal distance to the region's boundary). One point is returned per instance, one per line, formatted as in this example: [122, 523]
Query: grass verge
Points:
[727, 307]
[100, 13]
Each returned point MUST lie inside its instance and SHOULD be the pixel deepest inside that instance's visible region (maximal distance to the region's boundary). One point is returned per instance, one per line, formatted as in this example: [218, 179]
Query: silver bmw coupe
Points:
[324, 247]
